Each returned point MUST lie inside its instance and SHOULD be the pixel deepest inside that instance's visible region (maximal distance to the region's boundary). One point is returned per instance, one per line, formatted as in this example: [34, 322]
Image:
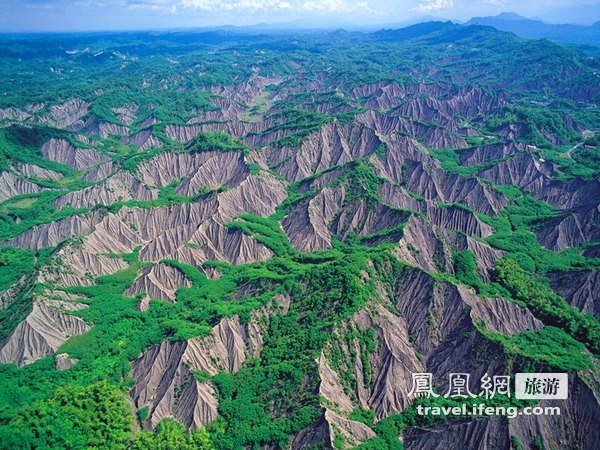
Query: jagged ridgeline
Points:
[214, 240]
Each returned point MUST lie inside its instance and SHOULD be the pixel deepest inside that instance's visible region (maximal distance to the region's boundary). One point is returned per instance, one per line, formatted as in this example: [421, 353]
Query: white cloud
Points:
[222, 5]
[276, 5]
[427, 6]
[332, 6]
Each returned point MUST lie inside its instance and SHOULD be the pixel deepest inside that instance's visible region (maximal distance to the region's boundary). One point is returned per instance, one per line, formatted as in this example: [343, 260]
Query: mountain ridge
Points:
[537, 29]
[233, 244]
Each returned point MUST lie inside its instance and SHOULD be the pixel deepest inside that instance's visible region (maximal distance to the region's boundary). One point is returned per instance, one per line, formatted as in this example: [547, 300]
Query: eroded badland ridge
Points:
[263, 237]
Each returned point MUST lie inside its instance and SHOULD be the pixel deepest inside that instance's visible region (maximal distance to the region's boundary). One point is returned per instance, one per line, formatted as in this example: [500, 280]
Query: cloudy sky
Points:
[59, 15]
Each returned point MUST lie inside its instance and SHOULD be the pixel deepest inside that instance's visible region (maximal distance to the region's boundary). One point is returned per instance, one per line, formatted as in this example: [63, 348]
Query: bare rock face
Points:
[407, 163]
[63, 362]
[126, 113]
[308, 224]
[459, 219]
[449, 218]
[441, 317]
[572, 229]
[423, 245]
[330, 386]
[148, 121]
[573, 428]
[392, 122]
[93, 126]
[101, 172]
[399, 152]
[502, 316]
[485, 256]
[437, 184]
[380, 95]
[445, 111]
[330, 425]
[227, 110]
[16, 114]
[523, 170]
[216, 169]
[396, 196]
[112, 235]
[484, 434]
[214, 241]
[78, 267]
[489, 153]
[580, 289]
[363, 218]
[11, 185]
[311, 223]
[62, 151]
[258, 194]
[120, 187]
[392, 364]
[181, 133]
[333, 144]
[144, 139]
[165, 384]
[46, 328]
[50, 234]
[159, 281]
[431, 246]
[189, 232]
[68, 115]
[573, 194]
[185, 133]
[167, 167]
[164, 379]
[192, 244]
[36, 172]
[224, 350]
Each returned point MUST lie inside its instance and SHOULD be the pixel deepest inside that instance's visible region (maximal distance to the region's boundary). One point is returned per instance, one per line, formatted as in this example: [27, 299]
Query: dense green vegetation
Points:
[75, 416]
[538, 123]
[300, 123]
[514, 234]
[547, 305]
[215, 141]
[551, 346]
[172, 78]
[170, 435]
[322, 296]
[21, 144]
[14, 263]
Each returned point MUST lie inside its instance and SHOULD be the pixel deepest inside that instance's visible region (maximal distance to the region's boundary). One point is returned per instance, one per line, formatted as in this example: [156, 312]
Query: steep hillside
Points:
[250, 241]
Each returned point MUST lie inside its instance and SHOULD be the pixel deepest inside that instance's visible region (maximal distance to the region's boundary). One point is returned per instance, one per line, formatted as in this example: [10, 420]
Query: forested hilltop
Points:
[241, 240]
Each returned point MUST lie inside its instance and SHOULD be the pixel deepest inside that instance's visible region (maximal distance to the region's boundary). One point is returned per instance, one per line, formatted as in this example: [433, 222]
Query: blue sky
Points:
[59, 15]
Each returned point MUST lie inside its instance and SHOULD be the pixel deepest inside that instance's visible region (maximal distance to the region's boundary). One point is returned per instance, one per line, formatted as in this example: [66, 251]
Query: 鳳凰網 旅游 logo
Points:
[527, 386]
[541, 386]
[490, 395]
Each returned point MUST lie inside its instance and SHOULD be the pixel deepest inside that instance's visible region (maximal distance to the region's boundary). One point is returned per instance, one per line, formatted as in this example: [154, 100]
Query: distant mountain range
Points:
[536, 29]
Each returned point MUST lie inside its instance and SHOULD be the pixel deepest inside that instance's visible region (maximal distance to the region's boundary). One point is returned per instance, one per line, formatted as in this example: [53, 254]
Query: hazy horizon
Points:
[115, 15]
